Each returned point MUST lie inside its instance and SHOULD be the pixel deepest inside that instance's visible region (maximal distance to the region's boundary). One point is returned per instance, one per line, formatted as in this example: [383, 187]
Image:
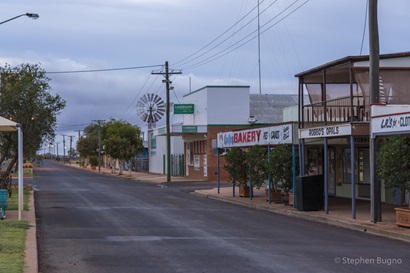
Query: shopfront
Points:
[339, 152]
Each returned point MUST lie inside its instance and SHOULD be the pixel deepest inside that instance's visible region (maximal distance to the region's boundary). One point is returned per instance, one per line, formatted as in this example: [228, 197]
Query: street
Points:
[88, 222]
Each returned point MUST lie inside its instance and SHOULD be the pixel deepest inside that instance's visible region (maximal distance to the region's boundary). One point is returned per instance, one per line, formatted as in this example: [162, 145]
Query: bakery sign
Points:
[259, 136]
[327, 131]
[396, 123]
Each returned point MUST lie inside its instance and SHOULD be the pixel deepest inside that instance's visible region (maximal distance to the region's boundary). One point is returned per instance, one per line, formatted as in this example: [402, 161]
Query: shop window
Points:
[347, 166]
[364, 166]
[313, 162]
[361, 171]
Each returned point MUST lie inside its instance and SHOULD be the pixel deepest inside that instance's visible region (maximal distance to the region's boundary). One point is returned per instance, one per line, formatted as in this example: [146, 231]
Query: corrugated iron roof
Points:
[268, 108]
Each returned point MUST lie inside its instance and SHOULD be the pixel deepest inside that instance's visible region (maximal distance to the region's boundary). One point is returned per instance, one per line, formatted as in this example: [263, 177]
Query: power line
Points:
[236, 46]
[135, 98]
[230, 36]
[220, 35]
[104, 70]
[364, 27]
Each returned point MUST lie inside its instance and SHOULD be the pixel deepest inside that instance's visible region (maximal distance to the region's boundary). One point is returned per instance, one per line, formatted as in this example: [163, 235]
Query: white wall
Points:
[228, 105]
[156, 155]
[219, 105]
[199, 99]
[290, 113]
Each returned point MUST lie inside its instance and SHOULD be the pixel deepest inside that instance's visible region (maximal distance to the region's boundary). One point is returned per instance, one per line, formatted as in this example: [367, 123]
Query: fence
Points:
[177, 164]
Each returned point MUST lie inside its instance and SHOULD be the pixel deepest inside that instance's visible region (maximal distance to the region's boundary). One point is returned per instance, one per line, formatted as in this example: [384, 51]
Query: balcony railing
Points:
[339, 110]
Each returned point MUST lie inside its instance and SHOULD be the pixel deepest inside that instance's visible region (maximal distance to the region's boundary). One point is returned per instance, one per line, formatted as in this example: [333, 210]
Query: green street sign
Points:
[183, 109]
[189, 129]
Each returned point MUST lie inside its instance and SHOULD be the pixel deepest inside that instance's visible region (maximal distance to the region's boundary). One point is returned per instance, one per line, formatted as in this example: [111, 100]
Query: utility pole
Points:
[167, 82]
[57, 149]
[71, 144]
[99, 142]
[64, 149]
[79, 133]
[259, 51]
[79, 136]
[374, 65]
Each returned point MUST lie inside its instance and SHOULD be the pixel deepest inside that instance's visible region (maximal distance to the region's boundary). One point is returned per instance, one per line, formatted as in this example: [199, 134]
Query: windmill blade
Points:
[157, 117]
[144, 99]
[157, 99]
[150, 97]
[161, 105]
[144, 117]
[161, 111]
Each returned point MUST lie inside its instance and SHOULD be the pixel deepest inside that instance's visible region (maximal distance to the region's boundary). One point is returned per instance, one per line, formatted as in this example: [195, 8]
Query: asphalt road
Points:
[95, 223]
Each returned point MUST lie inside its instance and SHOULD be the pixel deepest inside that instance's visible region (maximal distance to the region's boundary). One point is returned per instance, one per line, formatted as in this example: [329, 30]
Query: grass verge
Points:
[12, 246]
[13, 201]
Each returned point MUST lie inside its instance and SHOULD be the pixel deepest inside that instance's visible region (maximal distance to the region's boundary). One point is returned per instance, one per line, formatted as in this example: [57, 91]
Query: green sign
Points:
[189, 129]
[162, 131]
[183, 109]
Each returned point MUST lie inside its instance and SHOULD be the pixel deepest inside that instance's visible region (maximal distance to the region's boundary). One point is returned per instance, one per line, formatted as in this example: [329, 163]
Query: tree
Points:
[280, 166]
[256, 158]
[87, 145]
[122, 140]
[237, 166]
[25, 98]
[72, 153]
[393, 164]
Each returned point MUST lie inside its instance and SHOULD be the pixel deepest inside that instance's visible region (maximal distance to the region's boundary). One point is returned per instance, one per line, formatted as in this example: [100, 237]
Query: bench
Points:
[3, 203]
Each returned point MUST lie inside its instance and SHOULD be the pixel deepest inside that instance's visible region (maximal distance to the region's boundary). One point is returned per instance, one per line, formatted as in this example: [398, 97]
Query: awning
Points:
[11, 126]
[7, 125]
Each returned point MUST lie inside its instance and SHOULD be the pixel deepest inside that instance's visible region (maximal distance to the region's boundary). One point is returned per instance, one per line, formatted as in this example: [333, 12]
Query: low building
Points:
[216, 109]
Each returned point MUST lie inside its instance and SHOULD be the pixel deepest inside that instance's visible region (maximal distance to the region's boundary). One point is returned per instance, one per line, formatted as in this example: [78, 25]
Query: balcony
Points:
[341, 110]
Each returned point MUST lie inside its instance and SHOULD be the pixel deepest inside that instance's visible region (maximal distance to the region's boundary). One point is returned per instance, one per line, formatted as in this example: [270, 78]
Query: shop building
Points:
[215, 109]
[334, 127]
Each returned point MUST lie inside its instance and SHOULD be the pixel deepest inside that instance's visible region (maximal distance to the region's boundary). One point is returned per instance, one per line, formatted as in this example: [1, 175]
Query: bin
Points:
[309, 192]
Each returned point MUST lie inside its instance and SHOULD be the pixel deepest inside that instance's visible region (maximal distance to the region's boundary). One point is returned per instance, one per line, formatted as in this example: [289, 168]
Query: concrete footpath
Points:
[31, 257]
[340, 213]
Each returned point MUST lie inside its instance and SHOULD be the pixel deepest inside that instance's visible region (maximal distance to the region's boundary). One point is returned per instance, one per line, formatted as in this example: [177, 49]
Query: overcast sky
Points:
[211, 42]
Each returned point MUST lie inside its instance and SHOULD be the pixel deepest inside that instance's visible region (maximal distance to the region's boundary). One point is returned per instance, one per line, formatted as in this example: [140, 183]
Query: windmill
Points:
[151, 108]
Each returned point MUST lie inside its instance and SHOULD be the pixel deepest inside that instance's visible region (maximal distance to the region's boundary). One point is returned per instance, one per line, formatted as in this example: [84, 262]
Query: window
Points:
[314, 162]
[347, 166]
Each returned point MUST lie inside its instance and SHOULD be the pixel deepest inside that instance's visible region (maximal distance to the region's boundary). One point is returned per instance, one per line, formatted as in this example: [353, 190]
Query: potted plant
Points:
[393, 166]
[237, 169]
[280, 168]
[256, 158]
[93, 159]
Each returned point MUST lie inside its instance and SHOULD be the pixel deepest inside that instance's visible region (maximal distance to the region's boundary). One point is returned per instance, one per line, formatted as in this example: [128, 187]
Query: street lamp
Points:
[29, 15]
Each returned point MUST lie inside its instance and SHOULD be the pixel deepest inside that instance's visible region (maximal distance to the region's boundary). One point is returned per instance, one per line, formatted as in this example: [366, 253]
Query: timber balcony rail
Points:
[342, 110]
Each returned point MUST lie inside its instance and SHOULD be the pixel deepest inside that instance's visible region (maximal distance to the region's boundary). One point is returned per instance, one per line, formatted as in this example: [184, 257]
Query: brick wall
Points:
[213, 158]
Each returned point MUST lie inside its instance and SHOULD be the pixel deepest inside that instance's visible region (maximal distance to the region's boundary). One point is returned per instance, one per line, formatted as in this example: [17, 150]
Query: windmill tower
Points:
[150, 109]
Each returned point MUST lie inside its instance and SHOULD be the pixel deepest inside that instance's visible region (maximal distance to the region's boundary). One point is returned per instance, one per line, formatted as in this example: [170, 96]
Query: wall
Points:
[221, 108]
[213, 158]
[219, 105]
[156, 156]
[200, 100]
[228, 105]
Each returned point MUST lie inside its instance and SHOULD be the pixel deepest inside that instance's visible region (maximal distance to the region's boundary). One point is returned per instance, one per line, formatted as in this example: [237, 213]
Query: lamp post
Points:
[29, 15]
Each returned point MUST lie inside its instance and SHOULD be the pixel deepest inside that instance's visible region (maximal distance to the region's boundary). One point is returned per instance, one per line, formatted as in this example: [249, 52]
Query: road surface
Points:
[88, 222]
